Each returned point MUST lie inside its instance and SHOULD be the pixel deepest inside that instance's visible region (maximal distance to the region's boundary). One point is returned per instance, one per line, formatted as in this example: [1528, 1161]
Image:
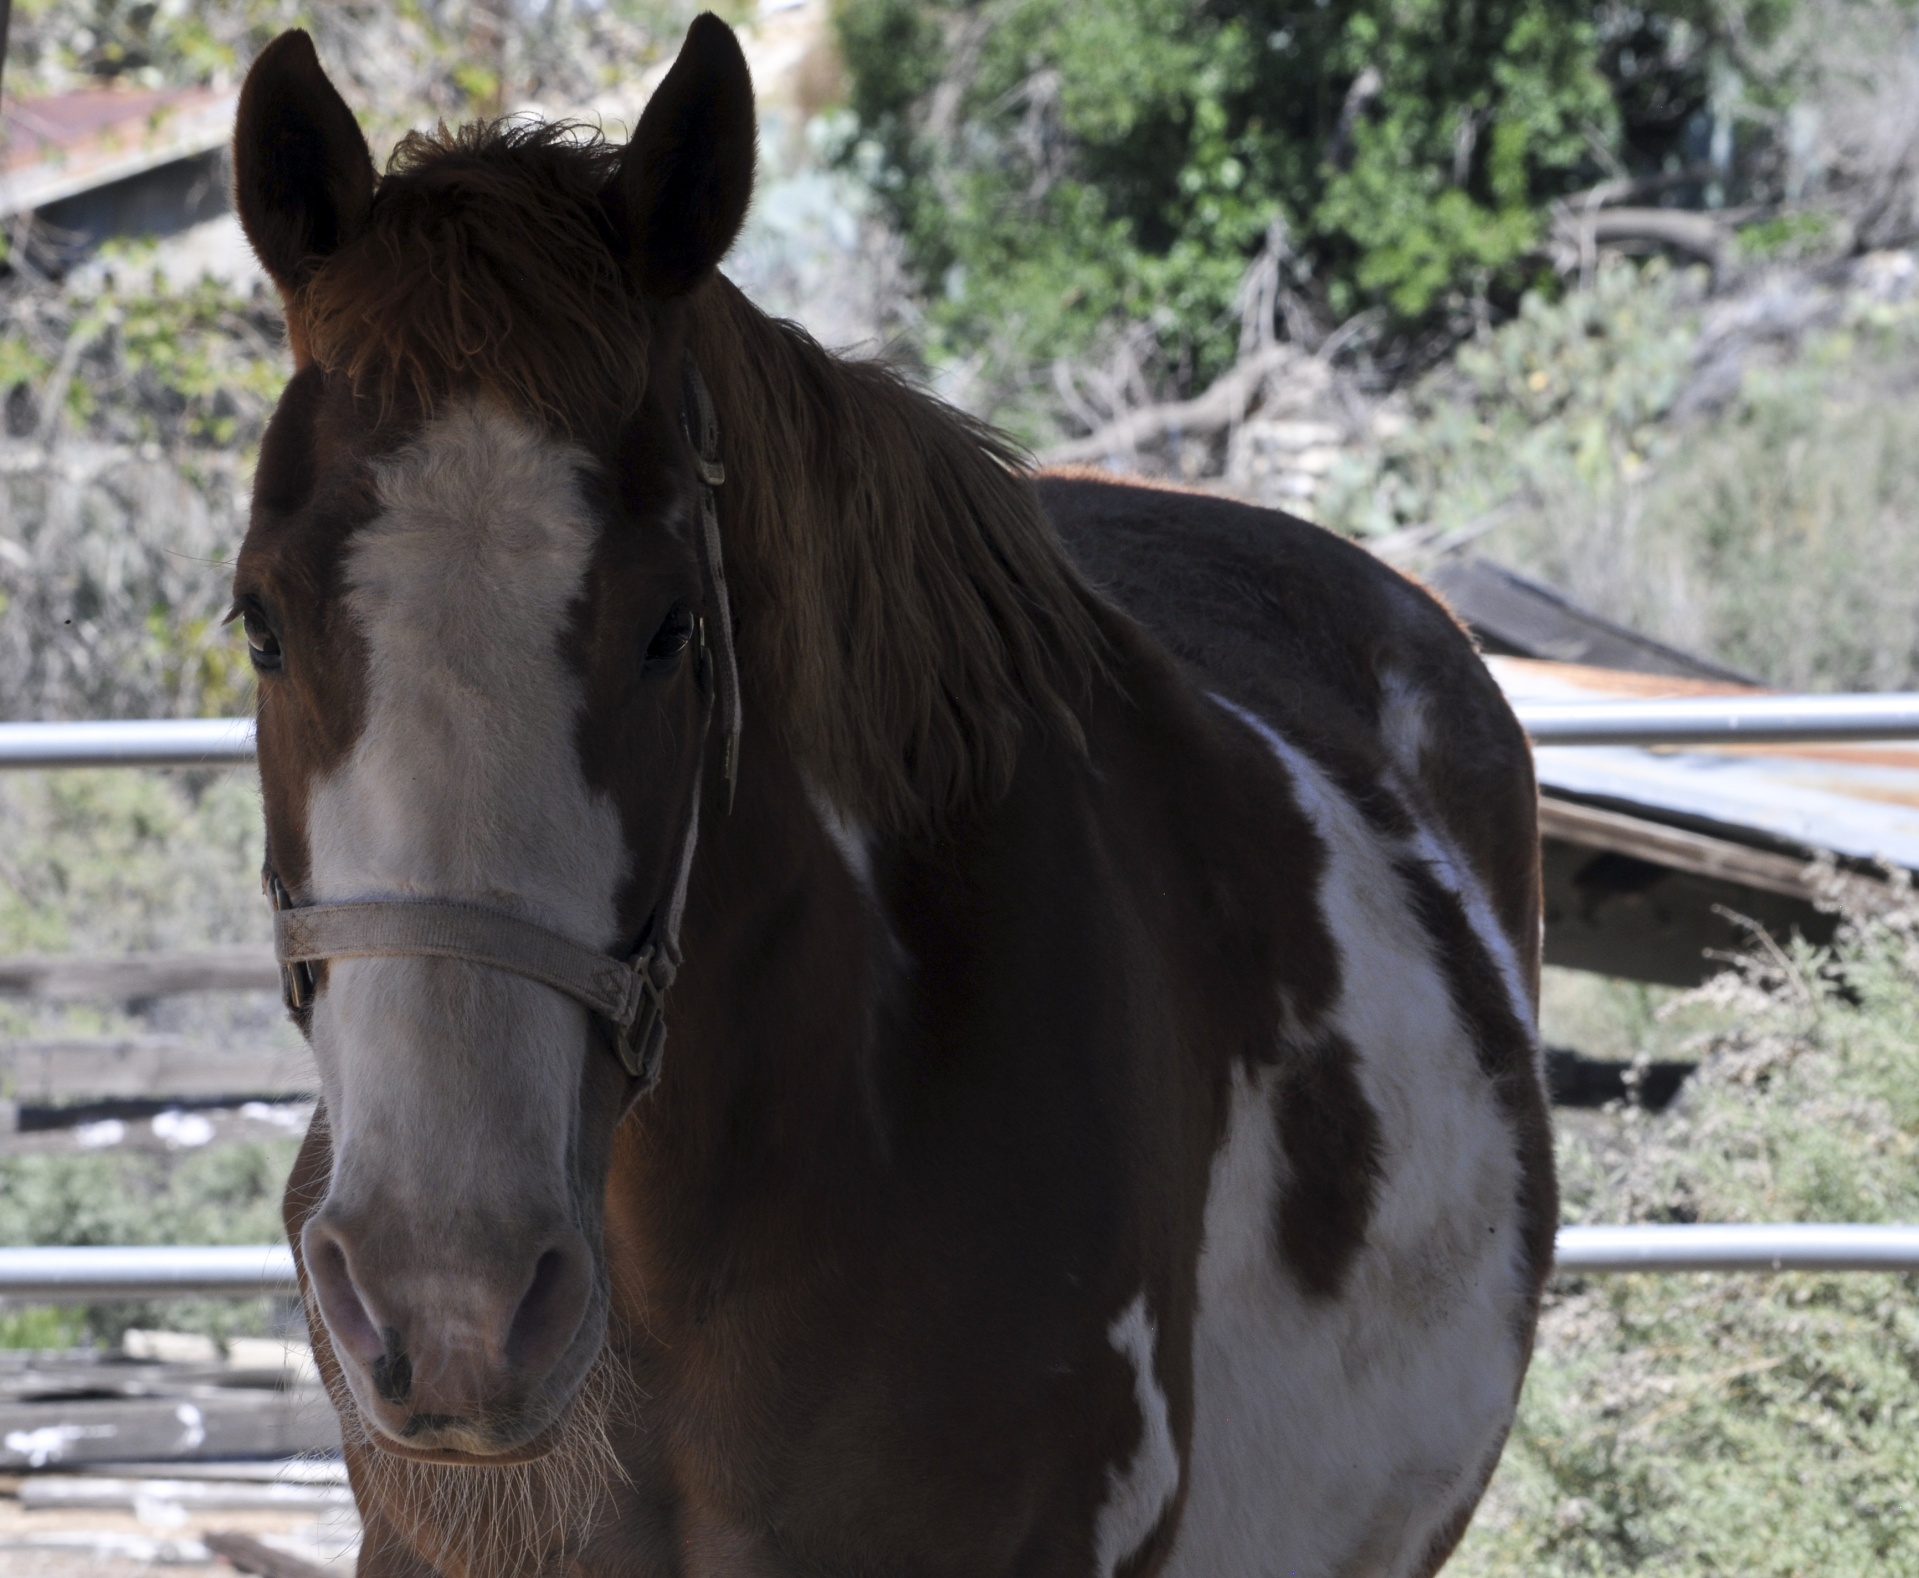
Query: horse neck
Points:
[767, 1089]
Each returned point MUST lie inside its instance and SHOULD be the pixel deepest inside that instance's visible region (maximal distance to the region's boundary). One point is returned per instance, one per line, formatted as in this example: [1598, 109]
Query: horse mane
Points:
[906, 615]
[900, 593]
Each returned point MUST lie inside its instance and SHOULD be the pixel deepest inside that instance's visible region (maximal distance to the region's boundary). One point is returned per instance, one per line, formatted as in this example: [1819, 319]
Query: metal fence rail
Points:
[147, 742]
[46, 1276]
[80, 1276]
[1725, 1246]
[1723, 720]
[1691, 720]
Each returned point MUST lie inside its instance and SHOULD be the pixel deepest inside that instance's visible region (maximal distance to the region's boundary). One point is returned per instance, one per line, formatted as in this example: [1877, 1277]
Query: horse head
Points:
[491, 648]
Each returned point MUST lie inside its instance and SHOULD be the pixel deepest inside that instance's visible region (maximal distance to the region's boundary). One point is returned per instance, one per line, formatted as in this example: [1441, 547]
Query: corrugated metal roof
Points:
[1855, 800]
[63, 144]
[1516, 616]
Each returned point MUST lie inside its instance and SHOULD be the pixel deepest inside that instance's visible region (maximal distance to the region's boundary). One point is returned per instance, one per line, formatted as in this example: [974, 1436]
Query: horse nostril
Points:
[393, 1370]
[549, 1311]
[347, 1317]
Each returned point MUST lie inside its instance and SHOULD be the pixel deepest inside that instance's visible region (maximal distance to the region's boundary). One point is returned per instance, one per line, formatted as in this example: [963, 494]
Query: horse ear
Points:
[302, 175]
[680, 195]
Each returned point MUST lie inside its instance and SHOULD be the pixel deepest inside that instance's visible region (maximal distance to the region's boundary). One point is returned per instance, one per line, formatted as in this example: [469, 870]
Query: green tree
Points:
[1061, 166]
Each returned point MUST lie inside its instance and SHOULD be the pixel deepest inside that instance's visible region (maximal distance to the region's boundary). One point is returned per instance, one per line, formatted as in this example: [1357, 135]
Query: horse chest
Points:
[894, 1434]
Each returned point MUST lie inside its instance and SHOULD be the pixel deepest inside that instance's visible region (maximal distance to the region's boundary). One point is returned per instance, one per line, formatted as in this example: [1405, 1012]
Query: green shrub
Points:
[1746, 500]
[226, 1194]
[1569, 395]
[107, 859]
[1060, 169]
[44, 1326]
[1784, 530]
[229, 1194]
[1757, 1425]
[118, 527]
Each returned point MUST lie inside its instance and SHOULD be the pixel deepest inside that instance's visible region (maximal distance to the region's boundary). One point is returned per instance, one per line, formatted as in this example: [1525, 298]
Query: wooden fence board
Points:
[1676, 848]
[30, 1376]
[199, 1422]
[50, 1070]
[126, 977]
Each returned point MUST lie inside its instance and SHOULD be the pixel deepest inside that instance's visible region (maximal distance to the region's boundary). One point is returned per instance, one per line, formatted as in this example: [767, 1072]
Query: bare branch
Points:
[1212, 412]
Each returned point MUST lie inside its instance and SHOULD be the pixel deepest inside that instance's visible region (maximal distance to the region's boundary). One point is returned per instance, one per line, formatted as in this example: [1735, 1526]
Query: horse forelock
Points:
[485, 265]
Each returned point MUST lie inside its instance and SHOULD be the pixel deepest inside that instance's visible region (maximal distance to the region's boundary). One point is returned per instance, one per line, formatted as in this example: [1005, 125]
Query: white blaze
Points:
[446, 1080]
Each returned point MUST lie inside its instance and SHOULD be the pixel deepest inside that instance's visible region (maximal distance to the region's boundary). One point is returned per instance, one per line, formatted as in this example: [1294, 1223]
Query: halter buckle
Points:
[297, 989]
[642, 1042]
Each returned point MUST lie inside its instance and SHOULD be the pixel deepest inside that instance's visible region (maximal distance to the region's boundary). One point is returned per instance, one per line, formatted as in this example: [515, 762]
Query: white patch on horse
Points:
[465, 783]
[1433, 851]
[854, 845]
[851, 840]
[1138, 1497]
[1402, 724]
[1340, 1435]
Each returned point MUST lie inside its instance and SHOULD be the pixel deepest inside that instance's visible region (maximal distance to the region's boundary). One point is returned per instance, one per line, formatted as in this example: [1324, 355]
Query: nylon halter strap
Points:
[629, 994]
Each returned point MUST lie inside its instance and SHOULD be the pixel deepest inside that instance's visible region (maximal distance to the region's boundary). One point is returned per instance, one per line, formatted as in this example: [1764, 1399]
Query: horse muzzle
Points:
[469, 1361]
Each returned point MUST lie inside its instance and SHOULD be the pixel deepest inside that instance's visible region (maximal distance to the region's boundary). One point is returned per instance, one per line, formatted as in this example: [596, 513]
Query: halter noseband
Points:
[629, 994]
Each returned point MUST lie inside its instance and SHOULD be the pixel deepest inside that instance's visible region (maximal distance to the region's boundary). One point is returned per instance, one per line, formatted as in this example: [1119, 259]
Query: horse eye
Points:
[263, 646]
[670, 640]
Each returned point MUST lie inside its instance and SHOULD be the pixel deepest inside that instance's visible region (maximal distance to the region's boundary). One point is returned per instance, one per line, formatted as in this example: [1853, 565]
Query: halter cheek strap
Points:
[702, 426]
[629, 994]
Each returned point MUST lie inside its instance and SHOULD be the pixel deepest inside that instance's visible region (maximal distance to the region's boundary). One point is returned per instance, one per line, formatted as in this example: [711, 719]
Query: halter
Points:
[629, 993]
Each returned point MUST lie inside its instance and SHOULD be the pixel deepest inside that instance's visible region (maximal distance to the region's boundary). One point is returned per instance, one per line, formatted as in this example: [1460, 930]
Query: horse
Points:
[876, 1013]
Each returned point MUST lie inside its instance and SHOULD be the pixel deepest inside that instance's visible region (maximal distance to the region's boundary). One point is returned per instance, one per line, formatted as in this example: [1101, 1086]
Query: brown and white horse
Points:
[1100, 1129]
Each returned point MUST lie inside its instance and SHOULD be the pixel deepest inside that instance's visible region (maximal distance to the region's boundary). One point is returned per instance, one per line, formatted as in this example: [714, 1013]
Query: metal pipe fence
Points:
[144, 742]
[1690, 720]
[1723, 720]
[1726, 1246]
[97, 1274]
[90, 1275]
